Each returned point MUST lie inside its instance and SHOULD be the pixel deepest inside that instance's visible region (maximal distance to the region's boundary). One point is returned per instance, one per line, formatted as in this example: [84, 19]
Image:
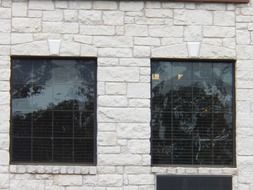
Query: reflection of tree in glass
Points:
[33, 81]
[196, 126]
[75, 104]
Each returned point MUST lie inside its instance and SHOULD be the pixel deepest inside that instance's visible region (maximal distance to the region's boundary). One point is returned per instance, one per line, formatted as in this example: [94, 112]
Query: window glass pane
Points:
[83, 97]
[192, 106]
[63, 150]
[53, 102]
[63, 124]
[63, 96]
[181, 71]
[19, 147]
[42, 97]
[42, 124]
[182, 96]
[202, 98]
[42, 150]
[42, 72]
[23, 72]
[83, 124]
[202, 71]
[21, 123]
[87, 72]
[82, 147]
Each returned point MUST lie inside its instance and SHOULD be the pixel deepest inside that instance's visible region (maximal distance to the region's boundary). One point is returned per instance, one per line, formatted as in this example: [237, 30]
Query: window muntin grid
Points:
[53, 110]
[192, 113]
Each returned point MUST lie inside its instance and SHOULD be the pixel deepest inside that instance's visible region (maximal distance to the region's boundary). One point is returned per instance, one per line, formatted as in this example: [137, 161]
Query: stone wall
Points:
[124, 36]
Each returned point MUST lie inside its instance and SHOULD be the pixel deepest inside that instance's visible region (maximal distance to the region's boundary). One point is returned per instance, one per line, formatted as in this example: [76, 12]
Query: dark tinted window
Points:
[53, 110]
[194, 182]
[192, 113]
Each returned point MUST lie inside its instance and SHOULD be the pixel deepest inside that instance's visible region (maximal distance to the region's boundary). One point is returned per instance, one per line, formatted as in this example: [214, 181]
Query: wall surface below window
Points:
[124, 36]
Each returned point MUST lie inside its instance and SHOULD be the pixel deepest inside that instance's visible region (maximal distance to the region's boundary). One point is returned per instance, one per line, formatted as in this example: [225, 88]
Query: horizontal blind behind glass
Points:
[192, 109]
[53, 106]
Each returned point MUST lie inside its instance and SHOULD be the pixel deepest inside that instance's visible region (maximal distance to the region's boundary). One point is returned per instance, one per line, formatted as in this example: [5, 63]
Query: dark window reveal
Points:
[53, 110]
[192, 112]
[194, 182]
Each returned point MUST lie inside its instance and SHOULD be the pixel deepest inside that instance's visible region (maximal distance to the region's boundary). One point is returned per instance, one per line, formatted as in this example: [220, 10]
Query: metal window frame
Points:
[94, 162]
[231, 61]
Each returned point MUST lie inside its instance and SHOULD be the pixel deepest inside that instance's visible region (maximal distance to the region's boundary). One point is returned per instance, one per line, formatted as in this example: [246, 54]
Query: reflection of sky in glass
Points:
[193, 71]
[215, 78]
[52, 103]
[59, 80]
[192, 100]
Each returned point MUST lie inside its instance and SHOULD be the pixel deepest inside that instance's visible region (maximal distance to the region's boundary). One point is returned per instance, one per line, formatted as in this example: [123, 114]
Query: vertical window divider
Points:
[172, 104]
[192, 110]
[53, 112]
[212, 124]
[52, 138]
[73, 136]
[32, 115]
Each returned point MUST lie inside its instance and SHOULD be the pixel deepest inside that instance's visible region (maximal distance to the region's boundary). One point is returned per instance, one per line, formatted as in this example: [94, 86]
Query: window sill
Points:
[194, 170]
[47, 169]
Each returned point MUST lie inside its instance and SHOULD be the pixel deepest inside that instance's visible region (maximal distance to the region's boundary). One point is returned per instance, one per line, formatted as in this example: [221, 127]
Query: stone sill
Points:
[196, 170]
[47, 169]
[92, 170]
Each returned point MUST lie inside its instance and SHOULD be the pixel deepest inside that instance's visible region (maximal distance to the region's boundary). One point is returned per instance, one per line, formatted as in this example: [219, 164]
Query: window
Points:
[53, 117]
[194, 182]
[192, 113]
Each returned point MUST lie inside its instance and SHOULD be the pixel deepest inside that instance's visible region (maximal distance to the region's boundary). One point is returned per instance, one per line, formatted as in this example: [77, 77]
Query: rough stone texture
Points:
[26, 25]
[68, 180]
[124, 35]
